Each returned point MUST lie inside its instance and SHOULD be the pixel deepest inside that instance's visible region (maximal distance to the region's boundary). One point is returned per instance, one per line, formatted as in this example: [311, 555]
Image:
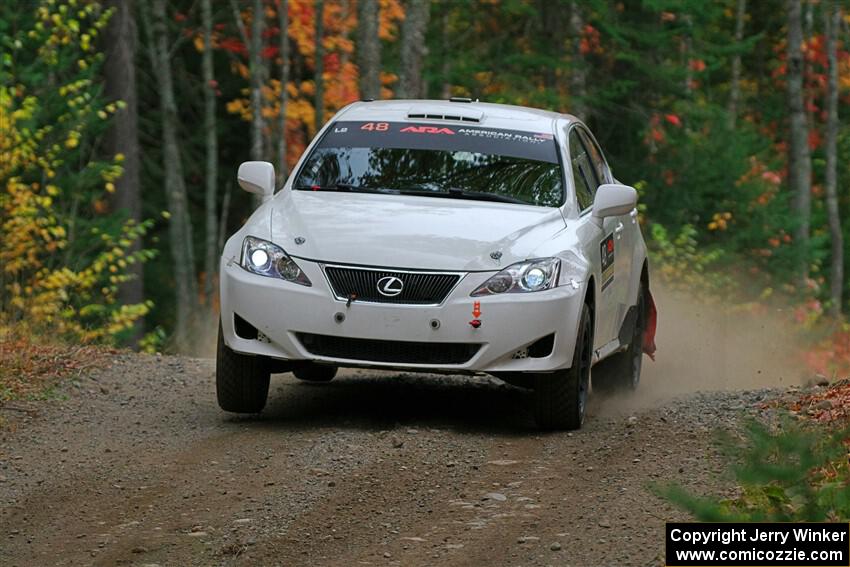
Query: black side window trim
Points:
[578, 128]
[587, 137]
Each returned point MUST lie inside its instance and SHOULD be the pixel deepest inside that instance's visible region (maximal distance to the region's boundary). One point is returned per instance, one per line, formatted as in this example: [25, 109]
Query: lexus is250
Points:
[441, 237]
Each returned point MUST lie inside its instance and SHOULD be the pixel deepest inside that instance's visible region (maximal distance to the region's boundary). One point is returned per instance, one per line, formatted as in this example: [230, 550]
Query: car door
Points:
[602, 251]
[624, 233]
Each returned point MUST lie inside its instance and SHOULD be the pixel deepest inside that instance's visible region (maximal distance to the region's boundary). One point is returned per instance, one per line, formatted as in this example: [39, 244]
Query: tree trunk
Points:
[180, 225]
[735, 81]
[368, 49]
[283, 22]
[211, 143]
[799, 160]
[123, 135]
[411, 84]
[553, 40]
[832, 17]
[255, 68]
[687, 53]
[578, 72]
[319, 64]
[446, 51]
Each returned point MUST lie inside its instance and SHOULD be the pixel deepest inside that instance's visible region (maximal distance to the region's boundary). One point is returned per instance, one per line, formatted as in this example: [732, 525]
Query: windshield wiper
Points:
[341, 187]
[482, 196]
[451, 193]
[455, 193]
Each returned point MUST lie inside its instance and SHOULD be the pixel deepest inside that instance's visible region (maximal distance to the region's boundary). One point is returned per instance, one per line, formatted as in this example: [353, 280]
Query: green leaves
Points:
[789, 472]
[62, 256]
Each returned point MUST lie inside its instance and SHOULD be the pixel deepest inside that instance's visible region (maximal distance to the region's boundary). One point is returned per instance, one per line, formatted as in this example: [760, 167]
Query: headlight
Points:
[266, 259]
[531, 275]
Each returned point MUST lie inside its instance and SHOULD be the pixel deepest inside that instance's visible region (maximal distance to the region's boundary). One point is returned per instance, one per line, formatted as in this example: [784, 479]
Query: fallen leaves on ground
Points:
[830, 404]
[29, 369]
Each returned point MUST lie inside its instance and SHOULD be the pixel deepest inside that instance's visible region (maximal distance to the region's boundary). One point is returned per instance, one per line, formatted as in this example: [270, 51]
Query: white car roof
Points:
[504, 116]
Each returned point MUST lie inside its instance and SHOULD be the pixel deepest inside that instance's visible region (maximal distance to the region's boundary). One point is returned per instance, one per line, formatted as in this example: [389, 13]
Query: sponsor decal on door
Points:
[606, 254]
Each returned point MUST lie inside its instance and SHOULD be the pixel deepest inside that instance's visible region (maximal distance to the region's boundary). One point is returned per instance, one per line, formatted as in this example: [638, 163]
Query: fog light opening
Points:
[244, 329]
[541, 348]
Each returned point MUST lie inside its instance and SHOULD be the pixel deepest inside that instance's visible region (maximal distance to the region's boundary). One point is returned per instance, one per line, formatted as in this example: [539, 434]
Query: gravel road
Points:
[137, 466]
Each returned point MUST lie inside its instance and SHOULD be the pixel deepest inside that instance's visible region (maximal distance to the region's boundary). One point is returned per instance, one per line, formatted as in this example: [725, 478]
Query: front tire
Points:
[560, 398]
[241, 380]
[621, 372]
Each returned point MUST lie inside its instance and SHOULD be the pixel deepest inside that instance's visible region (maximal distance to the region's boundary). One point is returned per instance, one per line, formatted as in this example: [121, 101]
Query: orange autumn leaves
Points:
[340, 74]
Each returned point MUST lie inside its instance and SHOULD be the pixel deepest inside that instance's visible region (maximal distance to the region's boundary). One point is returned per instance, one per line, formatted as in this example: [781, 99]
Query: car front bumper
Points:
[285, 312]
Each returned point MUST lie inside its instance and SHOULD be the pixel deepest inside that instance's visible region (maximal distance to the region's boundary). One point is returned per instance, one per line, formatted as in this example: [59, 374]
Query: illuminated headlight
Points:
[532, 275]
[266, 259]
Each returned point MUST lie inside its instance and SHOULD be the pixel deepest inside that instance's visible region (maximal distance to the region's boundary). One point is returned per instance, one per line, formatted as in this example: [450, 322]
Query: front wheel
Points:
[621, 372]
[241, 380]
[560, 398]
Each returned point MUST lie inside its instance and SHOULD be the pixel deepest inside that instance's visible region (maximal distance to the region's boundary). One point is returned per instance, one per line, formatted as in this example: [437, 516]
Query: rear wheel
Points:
[241, 380]
[561, 397]
[621, 372]
[312, 372]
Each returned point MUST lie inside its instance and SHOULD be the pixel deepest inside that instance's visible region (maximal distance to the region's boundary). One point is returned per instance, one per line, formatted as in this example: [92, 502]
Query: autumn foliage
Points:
[62, 256]
[340, 73]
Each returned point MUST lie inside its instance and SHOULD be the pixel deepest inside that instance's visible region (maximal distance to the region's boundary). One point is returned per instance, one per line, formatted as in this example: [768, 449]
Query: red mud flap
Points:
[651, 323]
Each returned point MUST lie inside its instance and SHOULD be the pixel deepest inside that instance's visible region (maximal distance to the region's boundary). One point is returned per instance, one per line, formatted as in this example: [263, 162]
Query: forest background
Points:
[122, 123]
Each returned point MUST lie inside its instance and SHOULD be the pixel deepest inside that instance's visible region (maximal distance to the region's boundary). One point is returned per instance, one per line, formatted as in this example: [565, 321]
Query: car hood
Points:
[409, 231]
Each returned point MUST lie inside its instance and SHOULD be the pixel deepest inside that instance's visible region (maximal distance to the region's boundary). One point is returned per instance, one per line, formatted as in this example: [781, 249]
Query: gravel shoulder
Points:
[138, 466]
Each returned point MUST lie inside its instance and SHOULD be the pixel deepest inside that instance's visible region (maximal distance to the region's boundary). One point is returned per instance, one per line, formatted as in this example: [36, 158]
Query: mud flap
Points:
[651, 323]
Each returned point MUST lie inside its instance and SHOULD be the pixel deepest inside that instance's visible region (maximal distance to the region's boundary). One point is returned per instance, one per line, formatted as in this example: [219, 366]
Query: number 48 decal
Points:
[376, 126]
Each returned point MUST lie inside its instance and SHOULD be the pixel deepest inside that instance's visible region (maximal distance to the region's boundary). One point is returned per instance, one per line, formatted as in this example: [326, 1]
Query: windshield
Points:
[436, 161]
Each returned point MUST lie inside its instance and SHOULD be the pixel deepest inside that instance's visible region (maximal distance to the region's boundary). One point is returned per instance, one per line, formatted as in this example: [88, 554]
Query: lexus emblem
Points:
[390, 286]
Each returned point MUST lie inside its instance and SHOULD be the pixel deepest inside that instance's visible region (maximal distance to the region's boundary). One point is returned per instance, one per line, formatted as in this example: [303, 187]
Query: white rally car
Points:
[440, 236]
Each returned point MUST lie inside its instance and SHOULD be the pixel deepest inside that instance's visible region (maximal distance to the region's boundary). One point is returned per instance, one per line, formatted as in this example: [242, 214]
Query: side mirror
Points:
[257, 177]
[614, 200]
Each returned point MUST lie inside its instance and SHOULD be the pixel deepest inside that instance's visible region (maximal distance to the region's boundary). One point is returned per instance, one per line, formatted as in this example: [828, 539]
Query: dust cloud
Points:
[709, 346]
[202, 343]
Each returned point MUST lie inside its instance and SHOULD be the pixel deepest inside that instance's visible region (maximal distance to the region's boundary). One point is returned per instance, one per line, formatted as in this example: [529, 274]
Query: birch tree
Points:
[411, 83]
[578, 79]
[179, 225]
[256, 70]
[799, 159]
[123, 137]
[283, 23]
[735, 81]
[832, 21]
[211, 149]
[319, 67]
[368, 49]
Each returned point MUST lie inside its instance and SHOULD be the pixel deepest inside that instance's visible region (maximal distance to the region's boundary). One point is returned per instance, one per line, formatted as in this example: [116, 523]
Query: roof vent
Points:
[438, 114]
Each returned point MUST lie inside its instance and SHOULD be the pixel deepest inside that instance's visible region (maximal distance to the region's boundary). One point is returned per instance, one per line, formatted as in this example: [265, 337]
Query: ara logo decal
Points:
[427, 130]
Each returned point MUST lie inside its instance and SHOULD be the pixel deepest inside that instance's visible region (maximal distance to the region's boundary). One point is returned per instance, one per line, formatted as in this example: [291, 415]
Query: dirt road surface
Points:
[138, 466]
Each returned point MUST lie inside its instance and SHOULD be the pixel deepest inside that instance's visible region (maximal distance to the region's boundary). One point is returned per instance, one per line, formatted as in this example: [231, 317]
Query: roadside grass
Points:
[33, 369]
[794, 468]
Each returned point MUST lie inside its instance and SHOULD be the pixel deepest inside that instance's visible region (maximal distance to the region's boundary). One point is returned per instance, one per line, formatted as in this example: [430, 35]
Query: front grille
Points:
[400, 352]
[418, 288]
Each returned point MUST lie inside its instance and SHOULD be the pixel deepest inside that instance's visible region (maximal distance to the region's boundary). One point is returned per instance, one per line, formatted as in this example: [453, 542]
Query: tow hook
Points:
[476, 313]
